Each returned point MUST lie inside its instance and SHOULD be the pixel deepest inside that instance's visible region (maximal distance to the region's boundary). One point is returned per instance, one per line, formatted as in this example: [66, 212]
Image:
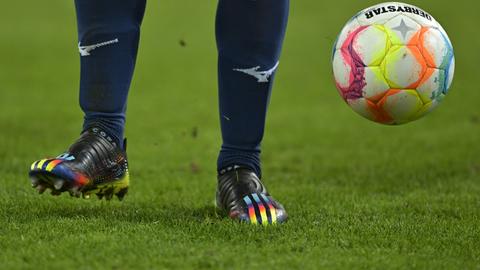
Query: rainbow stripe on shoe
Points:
[53, 174]
[261, 210]
[51, 168]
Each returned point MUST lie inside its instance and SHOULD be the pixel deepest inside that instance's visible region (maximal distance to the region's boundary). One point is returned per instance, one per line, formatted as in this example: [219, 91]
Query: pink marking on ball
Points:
[357, 75]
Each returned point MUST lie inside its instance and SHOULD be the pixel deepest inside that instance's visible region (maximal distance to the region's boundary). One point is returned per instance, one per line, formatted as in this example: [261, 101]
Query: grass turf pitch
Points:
[359, 195]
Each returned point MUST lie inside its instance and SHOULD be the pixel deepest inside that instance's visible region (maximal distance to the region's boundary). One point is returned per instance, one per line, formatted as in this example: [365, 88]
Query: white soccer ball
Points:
[393, 63]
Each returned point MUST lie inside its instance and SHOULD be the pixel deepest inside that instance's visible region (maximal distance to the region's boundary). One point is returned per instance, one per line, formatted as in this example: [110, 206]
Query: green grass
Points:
[359, 195]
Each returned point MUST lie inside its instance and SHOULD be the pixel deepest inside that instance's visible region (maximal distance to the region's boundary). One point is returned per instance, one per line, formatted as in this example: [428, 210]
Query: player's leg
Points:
[108, 32]
[249, 39]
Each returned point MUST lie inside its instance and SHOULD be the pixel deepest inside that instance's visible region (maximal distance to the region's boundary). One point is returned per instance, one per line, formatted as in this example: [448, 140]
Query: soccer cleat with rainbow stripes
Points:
[94, 164]
[242, 195]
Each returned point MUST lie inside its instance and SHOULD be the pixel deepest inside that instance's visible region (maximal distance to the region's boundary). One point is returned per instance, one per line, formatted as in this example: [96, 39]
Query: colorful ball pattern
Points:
[393, 63]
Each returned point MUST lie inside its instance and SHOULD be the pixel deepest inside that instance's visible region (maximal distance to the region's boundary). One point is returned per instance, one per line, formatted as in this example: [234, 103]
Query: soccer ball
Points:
[393, 63]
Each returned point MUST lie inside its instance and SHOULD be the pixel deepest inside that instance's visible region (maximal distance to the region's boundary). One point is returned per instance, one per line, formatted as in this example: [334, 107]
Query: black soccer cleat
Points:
[94, 164]
[242, 195]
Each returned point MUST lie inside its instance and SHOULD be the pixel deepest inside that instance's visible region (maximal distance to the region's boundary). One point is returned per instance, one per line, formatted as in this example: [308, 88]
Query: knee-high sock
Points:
[108, 35]
[249, 34]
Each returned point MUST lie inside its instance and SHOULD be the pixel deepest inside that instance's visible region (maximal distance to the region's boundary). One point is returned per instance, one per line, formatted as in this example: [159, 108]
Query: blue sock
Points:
[108, 35]
[250, 34]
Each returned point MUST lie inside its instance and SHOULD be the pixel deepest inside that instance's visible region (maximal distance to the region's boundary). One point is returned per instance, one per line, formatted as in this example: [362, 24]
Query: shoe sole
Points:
[45, 181]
